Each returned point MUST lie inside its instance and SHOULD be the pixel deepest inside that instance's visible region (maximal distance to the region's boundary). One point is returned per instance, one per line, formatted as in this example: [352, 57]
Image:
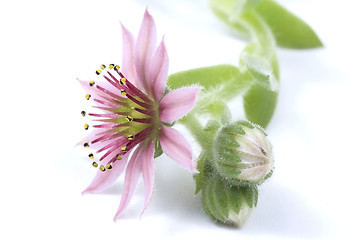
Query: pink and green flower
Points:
[134, 113]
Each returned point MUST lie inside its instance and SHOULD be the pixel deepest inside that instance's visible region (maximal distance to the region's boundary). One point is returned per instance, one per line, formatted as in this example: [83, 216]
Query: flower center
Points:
[130, 117]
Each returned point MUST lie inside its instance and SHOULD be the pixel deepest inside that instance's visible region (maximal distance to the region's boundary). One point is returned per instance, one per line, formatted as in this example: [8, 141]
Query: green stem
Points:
[205, 139]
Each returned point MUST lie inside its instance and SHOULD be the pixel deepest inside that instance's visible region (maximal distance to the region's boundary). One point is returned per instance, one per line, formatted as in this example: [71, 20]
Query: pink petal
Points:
[158, 71]
[144, 49]
[176, 147]
[132, 174]
[177, 103]
[148, 173]
[103, 180]
[128, 68]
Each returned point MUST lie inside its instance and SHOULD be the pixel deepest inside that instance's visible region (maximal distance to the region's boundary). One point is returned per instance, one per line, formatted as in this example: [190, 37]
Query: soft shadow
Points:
[281, 212]
[174, 190]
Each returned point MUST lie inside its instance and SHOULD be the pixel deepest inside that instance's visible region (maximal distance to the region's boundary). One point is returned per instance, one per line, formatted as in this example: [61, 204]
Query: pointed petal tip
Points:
[194, 170]
[117, 214]
[87, 191]
[146, 13]
[146, 9]
[191, 168]
[122, 25]
[115, 218]
[141, 214]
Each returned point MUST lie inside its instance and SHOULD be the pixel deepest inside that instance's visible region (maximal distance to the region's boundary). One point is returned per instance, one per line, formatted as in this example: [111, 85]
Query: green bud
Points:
[243, 154]
[228, 204]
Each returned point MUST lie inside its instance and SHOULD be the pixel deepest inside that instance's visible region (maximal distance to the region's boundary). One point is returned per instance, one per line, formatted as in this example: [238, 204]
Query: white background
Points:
[45, 45]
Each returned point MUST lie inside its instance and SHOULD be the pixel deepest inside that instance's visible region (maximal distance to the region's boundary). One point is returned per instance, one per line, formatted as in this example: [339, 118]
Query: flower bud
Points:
[243, 154]
[228, 204]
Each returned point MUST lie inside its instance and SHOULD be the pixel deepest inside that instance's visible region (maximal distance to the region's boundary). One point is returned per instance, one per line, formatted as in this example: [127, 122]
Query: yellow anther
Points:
[117, 67]
[86, 126]
[122, 81]
[119, 156]
[102, 66]
[123, 92]
[86, 145]
[124, 149]
[91, 83]
[83, 113]
[130, 137]
[129, 118]
[102, 168]
[108, 166]
[87, 96]
[98, 72]
[111, 66]
[95, 164]
[91, 156]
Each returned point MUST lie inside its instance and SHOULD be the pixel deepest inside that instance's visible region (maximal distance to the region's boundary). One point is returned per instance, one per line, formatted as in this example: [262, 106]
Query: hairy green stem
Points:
[205, 139]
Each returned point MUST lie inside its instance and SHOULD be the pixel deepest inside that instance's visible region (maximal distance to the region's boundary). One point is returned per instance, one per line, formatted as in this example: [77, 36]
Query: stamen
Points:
[111, 66]
[108, 109]
[95, 164]
[110, 120]
[91, 156]
[86, 145]
[114, 145]
[111, 125]
[129, 118]
[102, 168]
[102, 66]
[143, 120]
[130, 137]
[107, 125]
[105, 137]
[109, 166]
[117, 67]
[91, 83]
[115, 84]
[116, 158]
[83, 113]
[108, 115]
[134, 89]
[140, 103]
[97, 72]
[116, 135]
[86, 126]
[108, 104]
[144, 134]
[123, 92]
[139, 137]
[112, 76]
[108, 92]
[122, 81]
[87, 96]
[144, 111]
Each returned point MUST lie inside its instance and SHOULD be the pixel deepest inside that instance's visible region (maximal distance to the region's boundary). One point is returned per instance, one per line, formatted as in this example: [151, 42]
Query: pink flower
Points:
[136, 113]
